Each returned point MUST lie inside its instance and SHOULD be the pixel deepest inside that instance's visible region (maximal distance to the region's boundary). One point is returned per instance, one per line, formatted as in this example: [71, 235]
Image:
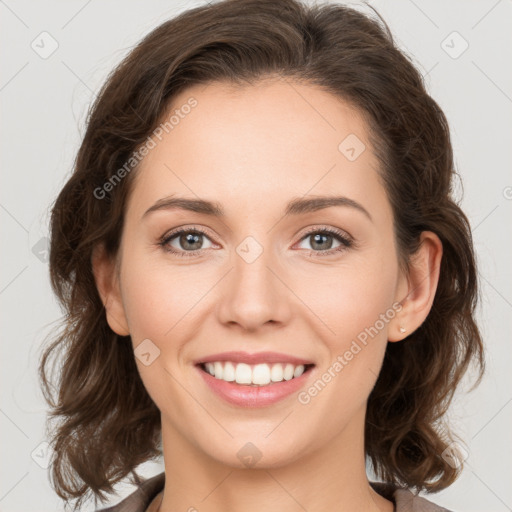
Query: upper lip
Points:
[255, 358]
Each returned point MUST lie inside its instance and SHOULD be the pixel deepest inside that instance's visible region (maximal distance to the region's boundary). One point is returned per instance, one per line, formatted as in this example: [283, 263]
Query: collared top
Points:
[147, 498]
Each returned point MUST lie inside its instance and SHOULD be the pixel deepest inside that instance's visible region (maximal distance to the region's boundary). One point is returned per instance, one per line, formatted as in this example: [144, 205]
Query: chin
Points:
[256, 452]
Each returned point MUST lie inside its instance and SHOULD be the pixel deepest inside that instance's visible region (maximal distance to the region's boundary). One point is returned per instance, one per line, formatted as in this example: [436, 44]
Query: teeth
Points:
[229, 372]
[288, 372]
[258, 375]
[243, 374]
[261, 374]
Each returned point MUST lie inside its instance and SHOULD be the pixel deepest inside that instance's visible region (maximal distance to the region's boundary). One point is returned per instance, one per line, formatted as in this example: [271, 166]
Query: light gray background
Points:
[44, 102]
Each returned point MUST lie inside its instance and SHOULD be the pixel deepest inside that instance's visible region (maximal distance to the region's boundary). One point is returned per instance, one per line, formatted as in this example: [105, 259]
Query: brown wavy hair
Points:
[108, 423]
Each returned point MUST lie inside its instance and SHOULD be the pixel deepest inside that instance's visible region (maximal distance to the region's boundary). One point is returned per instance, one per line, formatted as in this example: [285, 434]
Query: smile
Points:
[254, 375]
[258, 385]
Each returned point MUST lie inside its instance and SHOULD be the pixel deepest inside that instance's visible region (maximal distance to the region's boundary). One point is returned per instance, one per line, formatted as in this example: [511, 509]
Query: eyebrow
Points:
[298, 206]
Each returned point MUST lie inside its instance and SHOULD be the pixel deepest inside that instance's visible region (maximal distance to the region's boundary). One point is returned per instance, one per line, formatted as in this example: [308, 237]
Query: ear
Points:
[107, 283]
[417, 289]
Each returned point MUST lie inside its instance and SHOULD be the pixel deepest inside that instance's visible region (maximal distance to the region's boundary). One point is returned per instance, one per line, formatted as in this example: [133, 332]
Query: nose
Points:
[254, 293]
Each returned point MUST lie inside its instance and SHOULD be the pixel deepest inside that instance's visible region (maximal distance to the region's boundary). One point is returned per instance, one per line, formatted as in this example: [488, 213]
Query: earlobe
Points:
[107, 283]
[420, 287]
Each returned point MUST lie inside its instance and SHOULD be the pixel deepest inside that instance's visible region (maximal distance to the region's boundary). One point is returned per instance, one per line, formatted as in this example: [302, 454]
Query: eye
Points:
[322, 241]
[190, 241]
[184, 241]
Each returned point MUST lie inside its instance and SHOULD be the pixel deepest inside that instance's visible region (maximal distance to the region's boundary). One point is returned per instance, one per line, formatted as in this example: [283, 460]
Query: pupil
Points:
[317, 241]
[192, 239]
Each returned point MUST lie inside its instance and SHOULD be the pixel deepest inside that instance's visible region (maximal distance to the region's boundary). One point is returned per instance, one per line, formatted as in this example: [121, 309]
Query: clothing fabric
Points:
[146, 499]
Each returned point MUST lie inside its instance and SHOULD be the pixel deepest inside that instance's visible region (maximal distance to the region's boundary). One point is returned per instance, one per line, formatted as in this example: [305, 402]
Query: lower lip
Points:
[253, 396]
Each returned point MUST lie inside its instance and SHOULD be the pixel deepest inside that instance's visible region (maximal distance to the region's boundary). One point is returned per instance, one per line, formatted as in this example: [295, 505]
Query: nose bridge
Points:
[253, 294]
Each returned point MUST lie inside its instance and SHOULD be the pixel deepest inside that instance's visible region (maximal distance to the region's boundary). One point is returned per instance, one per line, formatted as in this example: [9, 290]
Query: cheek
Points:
[356, 304]
[158, 297]
[351, 297]
[159, 301]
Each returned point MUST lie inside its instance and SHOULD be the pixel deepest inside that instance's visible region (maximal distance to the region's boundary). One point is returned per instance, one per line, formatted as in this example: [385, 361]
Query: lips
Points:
[244, 394]
[253, 396]
[253, 359]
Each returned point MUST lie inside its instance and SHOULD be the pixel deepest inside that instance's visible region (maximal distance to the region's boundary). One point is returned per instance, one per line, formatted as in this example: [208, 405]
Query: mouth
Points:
[254, 375]
[251, 380]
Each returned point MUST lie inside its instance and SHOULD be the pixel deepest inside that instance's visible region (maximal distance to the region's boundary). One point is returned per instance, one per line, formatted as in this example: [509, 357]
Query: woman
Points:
[265, 276]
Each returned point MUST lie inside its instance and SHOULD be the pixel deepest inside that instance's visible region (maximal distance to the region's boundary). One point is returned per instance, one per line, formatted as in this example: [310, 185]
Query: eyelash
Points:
[346, 242]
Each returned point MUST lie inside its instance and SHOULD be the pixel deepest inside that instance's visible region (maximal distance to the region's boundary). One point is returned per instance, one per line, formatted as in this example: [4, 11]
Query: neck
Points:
[332, 478]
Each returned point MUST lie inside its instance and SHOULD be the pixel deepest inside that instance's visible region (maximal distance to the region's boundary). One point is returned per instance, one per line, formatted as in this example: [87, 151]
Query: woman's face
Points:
[258, 278]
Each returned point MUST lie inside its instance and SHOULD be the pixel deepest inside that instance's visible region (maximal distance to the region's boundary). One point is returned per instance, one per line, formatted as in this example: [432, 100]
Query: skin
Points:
[252, 149]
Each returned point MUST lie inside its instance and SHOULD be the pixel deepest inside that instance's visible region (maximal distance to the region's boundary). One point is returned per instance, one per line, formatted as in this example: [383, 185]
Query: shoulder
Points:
[140, 499]
[405, 500]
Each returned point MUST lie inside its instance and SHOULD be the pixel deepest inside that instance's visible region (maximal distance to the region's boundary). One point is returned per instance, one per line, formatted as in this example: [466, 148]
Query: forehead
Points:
[241, 144]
